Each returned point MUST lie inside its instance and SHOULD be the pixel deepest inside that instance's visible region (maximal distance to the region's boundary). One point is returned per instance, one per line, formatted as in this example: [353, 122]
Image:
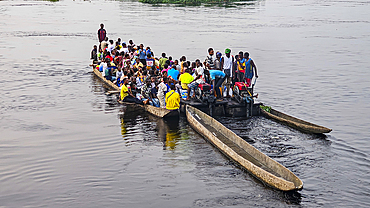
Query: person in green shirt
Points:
[162, 60]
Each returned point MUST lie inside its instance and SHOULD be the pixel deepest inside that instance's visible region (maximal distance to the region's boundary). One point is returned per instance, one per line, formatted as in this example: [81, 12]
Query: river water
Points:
[64, 143]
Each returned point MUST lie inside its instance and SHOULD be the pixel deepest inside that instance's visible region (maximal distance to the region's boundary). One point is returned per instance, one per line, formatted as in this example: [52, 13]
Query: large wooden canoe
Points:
[160, 112]
[296, 123]
[260, 165]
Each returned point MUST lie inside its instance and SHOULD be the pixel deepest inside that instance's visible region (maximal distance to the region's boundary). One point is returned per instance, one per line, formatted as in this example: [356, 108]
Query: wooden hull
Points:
[260, 165]
[296, 123]
[160, 112]
[106, 82]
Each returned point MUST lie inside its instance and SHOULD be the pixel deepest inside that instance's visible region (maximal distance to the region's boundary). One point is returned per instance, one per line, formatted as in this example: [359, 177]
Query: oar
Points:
[112, 92]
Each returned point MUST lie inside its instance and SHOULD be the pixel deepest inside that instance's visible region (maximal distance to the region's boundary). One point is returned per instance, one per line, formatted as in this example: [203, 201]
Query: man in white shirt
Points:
[104, 66]
[110, 46]
[209, 63]
[162, 90]
[227, 67]
[104, 43]
[124, 48]
[198, 77]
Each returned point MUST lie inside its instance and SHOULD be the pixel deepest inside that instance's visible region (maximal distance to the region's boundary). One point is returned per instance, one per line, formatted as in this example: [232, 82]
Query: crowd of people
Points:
[159, 81]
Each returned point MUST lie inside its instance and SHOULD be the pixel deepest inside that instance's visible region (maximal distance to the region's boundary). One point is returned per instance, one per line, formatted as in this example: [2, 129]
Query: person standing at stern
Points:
[102, 33]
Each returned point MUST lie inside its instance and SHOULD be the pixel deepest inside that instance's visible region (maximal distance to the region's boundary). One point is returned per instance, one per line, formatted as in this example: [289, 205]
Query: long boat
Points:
[296, 123]
[160, 112]
[260, 165]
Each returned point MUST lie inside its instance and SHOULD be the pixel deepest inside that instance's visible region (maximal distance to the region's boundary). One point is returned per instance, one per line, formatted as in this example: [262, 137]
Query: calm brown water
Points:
[64, 143]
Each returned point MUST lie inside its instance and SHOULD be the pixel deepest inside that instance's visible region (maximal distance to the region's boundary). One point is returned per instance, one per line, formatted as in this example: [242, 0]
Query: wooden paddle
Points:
[112, 92]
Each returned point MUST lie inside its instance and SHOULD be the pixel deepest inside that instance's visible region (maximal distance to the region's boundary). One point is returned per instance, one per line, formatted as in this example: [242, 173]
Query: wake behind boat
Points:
[260, 165]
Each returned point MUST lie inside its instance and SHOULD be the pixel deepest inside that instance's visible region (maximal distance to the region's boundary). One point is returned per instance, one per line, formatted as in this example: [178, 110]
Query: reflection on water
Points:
[168, 130]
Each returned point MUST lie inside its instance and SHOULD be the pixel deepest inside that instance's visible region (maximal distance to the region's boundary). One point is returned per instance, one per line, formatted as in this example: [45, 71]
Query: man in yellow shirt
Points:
[126, 95]
[185, 79]
[172, 99]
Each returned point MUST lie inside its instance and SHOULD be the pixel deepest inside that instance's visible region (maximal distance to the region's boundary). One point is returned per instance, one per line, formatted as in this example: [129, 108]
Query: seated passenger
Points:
[141, 79]
[150, 62]
[165, 68]
[162, 61]
[185, 79]
[165, 75]
[172, 99]
[100, 55]
[137, 65]
[109, 56]
[124, 48]
[153, 95]
[103, 66]
[119, 75]
[126, 95]
[94, 54]
[109, 72]
[118, 46]
[199, 78]
[162, 90]
[146, 89]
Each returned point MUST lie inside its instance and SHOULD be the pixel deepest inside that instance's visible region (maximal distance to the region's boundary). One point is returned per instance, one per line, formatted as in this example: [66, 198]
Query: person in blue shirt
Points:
[150, 62]
[173, 73]
[142, 54]
[249, 66]
[217, 78]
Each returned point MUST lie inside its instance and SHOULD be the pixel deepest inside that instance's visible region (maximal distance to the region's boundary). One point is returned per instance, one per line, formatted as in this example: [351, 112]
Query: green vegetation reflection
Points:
[190, 2]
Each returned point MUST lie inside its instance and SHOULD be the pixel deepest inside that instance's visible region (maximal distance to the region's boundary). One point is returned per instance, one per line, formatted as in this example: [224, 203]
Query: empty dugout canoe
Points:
[260, 165]
[296, 123]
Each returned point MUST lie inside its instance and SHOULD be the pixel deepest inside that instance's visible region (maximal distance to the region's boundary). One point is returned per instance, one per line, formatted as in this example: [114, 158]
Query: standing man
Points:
[227, 67]
[209, 63]
[101, 34]
[240, 71]
[249, 65]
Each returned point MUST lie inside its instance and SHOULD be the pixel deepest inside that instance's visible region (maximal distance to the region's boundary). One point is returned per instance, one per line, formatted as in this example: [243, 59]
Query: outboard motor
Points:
[243, 93]
[203, 93]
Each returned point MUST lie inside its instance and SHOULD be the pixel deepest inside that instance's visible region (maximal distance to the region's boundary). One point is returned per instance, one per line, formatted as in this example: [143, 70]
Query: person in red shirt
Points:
[102, 34]
[109, 56]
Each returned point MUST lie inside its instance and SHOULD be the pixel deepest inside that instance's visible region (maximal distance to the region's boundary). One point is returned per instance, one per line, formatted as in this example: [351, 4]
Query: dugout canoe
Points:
[160, 112]
[258, 164]
[293, 122]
